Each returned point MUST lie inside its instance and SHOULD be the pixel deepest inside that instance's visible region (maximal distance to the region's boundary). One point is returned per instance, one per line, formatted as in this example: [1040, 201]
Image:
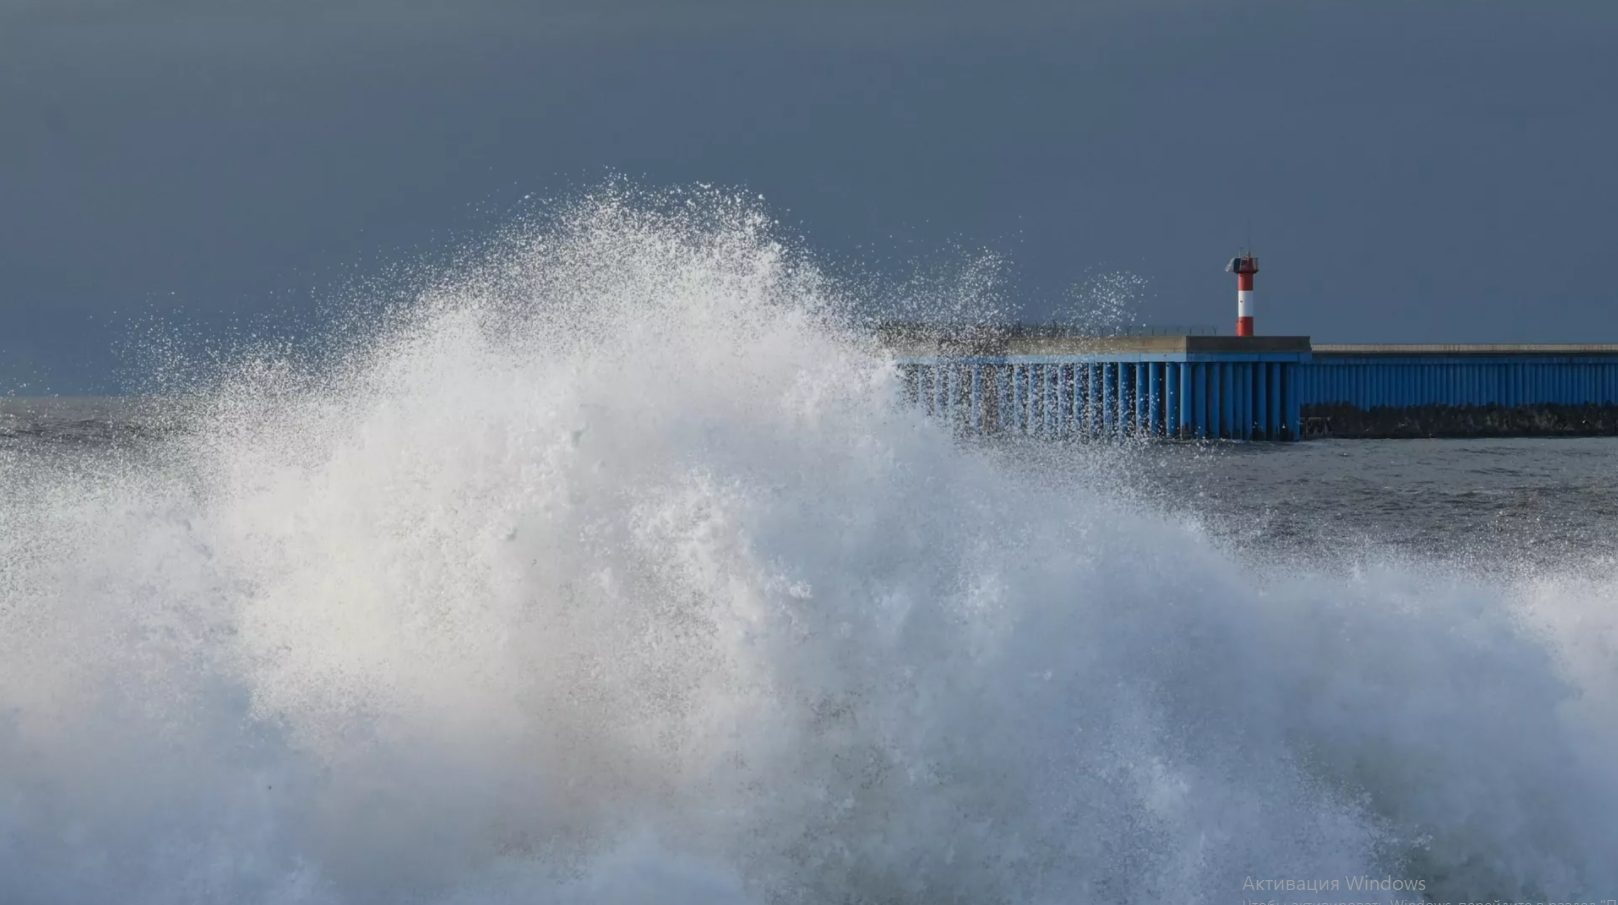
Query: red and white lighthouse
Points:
[1243, 267]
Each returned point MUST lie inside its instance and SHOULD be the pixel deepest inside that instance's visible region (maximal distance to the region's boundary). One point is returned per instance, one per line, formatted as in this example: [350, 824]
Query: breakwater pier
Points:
[1060, 382]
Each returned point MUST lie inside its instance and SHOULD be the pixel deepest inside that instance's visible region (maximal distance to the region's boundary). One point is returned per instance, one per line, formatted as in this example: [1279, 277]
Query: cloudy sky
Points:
[1412, 170]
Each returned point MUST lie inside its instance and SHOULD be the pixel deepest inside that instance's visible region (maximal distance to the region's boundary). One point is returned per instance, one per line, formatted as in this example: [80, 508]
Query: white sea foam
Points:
[614, 570]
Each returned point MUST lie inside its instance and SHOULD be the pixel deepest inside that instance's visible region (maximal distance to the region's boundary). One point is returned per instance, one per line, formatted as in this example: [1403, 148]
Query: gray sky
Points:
[1413, 171]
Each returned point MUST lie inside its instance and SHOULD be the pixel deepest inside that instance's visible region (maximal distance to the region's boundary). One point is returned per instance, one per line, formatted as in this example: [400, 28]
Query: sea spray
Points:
[615, 569]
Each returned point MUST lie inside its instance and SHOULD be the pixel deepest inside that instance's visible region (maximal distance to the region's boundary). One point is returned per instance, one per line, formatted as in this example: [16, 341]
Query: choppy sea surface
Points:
[615, 570]
[1501, 503]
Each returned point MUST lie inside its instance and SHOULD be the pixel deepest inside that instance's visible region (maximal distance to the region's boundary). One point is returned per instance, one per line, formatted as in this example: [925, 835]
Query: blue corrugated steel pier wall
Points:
[1383, 379]
[1253, 396]
[1046, 382]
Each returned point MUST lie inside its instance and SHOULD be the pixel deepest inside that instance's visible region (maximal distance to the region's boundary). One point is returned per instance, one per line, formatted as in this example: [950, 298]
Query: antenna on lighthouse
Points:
[1244, 266]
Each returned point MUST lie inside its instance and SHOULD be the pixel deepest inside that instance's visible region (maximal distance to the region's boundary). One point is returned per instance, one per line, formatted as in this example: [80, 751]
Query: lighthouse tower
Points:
[1243, 267]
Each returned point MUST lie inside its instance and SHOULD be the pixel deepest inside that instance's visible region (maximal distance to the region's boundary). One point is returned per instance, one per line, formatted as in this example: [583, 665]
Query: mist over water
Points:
[614, 570]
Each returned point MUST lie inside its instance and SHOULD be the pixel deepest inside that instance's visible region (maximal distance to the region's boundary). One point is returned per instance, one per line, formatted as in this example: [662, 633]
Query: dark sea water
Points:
[615, 571]
[1515, 501]
[1511, 501]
